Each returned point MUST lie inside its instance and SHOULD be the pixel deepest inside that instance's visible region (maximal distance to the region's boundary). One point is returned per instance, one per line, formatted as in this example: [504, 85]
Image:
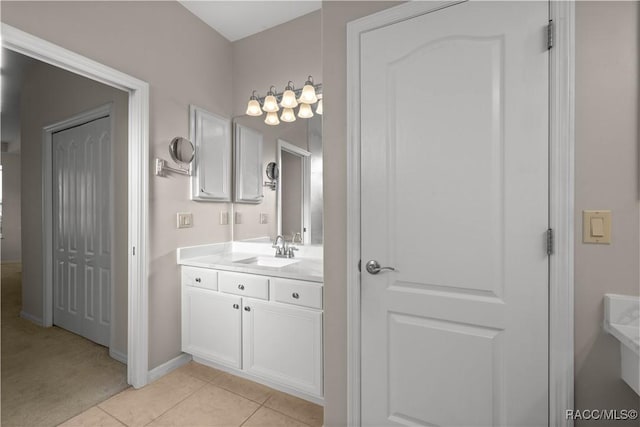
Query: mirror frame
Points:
[174, 150]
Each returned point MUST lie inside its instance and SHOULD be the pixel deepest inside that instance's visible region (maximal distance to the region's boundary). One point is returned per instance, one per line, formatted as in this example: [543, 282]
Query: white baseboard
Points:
[30, 317]
[120, 357]
[167, 367]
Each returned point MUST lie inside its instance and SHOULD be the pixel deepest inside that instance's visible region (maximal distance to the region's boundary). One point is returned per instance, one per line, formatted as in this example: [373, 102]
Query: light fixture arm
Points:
[278, 95]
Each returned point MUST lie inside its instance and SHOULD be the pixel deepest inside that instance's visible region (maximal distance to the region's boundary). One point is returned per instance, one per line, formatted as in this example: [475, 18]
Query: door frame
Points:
[305, 158]
[47, 214]
[138, 185]
[561, 200]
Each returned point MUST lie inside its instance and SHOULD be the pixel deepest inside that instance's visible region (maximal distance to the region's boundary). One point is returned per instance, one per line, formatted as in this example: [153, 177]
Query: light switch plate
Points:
[224, 218]
[596, 227]
[238, 218]
[184, 220]
[264, 218]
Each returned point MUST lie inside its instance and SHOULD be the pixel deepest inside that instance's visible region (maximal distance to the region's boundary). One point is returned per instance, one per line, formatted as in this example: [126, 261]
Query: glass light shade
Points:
[289, 99]
[288, 115]
[308, 95]
[272, 119]
[270, 104]
[253, 108]
[319, 107]
[305, 111]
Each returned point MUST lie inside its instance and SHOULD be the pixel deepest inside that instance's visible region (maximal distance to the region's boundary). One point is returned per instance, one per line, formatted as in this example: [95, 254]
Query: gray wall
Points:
[606, 168]
[11, 243]
[185, 62]
[50, 95]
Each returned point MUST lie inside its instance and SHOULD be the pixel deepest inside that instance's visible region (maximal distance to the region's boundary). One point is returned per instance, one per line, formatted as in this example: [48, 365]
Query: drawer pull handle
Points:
[295, 295]
[247, 309]
[198, 279]
[241, 287]
[236, 306]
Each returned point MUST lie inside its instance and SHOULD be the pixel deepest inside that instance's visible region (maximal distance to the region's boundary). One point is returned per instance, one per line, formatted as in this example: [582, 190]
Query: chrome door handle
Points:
[373, 267]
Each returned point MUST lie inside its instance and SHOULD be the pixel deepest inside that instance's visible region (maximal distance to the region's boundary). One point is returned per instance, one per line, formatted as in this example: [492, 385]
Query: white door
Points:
[283, 343]
[454, 134]
[212, 325]
[82, 229]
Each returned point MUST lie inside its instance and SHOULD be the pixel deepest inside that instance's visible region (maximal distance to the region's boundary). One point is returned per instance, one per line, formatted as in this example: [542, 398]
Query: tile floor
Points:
[196, 395]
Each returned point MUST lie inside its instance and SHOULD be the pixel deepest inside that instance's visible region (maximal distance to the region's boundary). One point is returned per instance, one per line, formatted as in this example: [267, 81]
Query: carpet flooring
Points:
[48, 375]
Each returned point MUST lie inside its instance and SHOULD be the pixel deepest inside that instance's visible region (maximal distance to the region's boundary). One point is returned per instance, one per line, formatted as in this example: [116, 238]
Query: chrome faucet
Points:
[283, 250]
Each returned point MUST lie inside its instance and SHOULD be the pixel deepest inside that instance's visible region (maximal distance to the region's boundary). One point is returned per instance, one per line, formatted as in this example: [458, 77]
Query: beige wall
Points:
[185, 62]
[290, 51]
[50, 95]
[606, 167]
[335, 16]
[11, 225]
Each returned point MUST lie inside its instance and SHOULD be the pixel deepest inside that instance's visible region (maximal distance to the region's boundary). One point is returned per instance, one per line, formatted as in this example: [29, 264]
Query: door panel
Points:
[82, 229]
[454, 126]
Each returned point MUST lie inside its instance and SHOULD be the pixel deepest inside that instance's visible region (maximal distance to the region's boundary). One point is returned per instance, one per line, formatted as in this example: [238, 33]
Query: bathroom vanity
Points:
[255, 315]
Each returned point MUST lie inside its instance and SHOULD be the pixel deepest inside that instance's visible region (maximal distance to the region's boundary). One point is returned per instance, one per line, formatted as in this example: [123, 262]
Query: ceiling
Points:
[238, 19]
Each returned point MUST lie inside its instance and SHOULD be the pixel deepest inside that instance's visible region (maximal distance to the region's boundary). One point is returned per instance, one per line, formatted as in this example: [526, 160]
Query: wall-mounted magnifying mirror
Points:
[272, 173]
[182, 152]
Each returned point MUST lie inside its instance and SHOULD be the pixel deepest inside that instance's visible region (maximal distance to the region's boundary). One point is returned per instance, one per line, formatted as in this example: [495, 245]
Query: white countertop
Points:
[622, 319]
[225, 256]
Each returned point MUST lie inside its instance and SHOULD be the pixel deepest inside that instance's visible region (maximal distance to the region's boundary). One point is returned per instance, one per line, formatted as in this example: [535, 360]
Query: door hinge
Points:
[550, 241]
[359, 266]
[550, 31]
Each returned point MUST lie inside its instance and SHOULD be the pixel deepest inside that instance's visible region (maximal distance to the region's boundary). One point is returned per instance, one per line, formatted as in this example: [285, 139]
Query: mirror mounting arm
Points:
[162, 167]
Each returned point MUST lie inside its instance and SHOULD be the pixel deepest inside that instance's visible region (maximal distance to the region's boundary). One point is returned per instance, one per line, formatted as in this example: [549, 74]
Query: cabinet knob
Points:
[236, 306]
[247, 309]
[295, 295]
[241, 287]
[198, 279]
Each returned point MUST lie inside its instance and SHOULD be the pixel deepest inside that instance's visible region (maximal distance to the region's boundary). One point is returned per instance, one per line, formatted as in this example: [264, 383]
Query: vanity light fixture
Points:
[288, 115]
[288, 99]
[308, 95]
[272, 119]
[305, 111]
[253, 108]
[270, 102]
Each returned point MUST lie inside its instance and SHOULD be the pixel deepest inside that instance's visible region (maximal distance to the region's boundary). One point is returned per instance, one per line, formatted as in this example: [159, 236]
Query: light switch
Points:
[224, 218]
[184, 220]
[238, 218]
[596, 227]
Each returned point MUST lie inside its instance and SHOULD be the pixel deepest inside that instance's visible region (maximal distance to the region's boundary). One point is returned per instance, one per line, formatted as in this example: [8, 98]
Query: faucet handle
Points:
[290, 250]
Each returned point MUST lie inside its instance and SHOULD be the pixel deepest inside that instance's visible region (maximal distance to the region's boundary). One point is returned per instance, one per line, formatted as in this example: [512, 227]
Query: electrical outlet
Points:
[238, 219]
[184, 220]
[224, 218]
[264, 218]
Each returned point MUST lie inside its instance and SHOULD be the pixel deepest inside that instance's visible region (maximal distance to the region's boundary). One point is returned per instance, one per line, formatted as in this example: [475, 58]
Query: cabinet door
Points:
[283, 344]
[247, 152]
[211, 325]
[211, 136]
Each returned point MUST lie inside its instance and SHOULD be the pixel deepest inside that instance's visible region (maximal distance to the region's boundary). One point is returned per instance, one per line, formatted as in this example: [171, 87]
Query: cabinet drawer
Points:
[246, 285]
[200, 277]
[297, 292]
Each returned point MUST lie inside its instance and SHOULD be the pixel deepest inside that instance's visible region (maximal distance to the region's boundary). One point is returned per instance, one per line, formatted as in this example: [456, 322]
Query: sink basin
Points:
[622, 320]
[265, 261]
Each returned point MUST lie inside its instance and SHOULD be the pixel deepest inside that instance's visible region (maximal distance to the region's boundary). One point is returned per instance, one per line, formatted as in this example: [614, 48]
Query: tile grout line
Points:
[288, 416]
[177, 403]
[112, 416]
[252, 414]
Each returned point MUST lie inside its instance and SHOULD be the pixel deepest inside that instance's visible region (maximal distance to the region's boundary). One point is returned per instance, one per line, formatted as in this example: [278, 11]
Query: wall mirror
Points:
[295, 203]
[181, 150]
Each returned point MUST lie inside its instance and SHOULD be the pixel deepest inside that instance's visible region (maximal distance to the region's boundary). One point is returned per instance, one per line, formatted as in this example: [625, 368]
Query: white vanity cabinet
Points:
[266, 328]
[212, 325]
